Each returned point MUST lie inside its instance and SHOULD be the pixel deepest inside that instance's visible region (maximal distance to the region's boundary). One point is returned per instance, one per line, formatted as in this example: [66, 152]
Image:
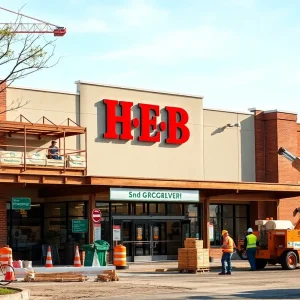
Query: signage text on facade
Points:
[150, 130]
[79, 226]
[21, 203]
[154, 195]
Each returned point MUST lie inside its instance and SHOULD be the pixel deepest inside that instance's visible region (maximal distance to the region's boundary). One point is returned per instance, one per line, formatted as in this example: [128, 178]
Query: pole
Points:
[24, 148]
[91, 206]
[85, 135]
[64, 151]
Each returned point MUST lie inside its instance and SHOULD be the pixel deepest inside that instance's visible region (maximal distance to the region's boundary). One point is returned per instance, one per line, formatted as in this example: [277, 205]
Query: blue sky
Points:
[236, 53]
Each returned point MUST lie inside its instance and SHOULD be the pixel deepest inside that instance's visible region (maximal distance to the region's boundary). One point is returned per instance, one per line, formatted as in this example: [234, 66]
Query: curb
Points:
[21, 295]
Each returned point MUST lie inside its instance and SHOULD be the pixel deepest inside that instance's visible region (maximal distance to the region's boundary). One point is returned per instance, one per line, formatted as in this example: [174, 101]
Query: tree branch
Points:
[21, 56]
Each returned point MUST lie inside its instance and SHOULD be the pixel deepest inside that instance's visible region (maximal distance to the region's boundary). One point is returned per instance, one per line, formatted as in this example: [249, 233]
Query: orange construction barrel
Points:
[5, 255]
[120, 257]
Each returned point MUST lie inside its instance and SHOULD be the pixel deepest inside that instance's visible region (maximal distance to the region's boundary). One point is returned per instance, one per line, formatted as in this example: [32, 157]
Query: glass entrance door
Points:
[159, 240]
[152, 240]
[142, 241]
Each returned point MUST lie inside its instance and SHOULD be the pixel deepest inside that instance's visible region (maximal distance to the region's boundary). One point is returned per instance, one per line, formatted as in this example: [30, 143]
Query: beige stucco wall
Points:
[229, 152]
[213, 152]
[133, 158]
[56, 106]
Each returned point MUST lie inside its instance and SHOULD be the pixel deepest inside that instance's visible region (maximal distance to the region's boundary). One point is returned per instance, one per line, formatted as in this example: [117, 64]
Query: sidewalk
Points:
[165, 266]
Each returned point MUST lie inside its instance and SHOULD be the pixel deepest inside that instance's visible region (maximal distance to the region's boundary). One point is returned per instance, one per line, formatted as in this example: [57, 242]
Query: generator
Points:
[279, 243]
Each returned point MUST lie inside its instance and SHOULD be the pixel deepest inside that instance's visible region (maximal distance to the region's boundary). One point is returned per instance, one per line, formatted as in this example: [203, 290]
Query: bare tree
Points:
[21, 55]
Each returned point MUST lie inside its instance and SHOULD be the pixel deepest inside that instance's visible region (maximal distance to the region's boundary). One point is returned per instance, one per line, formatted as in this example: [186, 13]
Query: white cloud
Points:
[202, 42]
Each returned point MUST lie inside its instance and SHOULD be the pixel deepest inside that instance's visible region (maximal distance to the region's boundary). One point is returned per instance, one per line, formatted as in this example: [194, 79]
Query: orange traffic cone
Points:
[9, 275]
[49, 258]
[77, 262]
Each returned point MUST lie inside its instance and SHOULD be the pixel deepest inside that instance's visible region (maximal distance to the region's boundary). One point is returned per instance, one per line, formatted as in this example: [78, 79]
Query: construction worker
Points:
[250, 244]
[227, 249]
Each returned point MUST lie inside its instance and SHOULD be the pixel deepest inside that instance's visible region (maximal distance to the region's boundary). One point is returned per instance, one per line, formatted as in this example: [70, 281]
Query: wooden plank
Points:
[184, 184]
[61, 191]
[41, 179]
[40, 170]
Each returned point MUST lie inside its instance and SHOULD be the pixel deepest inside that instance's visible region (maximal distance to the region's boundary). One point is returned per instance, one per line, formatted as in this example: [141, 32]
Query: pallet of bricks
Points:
[193, 257]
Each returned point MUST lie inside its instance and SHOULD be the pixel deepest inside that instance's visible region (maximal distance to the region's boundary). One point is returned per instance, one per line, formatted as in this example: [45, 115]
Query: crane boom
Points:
[41, 27]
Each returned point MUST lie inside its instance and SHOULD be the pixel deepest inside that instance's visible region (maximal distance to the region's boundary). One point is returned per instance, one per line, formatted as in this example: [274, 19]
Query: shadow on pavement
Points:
[262, 294]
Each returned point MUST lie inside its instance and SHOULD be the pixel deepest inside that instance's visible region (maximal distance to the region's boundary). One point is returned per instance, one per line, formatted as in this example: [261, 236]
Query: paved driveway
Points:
[272, 283]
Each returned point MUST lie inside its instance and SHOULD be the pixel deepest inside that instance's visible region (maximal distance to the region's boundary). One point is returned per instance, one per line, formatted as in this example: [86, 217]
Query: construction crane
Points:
[40, 28]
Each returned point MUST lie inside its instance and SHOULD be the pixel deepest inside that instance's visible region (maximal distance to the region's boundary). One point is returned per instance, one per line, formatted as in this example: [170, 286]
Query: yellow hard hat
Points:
[224, 231]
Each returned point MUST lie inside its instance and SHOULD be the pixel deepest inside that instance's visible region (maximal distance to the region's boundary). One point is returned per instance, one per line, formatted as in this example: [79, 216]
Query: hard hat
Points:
[250, 230]
[224, 231]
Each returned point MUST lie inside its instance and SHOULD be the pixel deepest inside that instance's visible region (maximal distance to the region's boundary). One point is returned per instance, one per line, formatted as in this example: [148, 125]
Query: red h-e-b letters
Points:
[148, 123]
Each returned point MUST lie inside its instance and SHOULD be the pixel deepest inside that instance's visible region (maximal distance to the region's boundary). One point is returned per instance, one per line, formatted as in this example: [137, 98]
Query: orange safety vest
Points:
[228, 245]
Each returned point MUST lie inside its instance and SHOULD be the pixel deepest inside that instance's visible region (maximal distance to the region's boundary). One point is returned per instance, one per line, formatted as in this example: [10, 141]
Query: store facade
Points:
[159, 166]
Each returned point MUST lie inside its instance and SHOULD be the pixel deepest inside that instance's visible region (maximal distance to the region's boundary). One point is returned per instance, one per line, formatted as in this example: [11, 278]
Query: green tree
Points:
[22, 54]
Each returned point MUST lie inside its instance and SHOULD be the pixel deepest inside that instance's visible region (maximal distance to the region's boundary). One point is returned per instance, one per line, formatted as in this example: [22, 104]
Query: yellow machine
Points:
[279, 243]
[279, 240]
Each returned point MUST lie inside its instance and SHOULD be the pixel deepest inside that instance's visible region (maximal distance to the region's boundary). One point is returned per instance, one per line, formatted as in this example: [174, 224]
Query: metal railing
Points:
[66, 152]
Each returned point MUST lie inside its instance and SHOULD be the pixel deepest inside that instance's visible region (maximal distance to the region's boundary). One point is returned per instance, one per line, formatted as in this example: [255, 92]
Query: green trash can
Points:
[89, 254]
[101, 248]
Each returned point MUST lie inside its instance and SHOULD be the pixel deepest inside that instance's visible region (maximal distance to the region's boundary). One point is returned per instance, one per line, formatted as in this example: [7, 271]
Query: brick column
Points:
[2, 111]
[205, 220]
[3, 223]
[274, 129]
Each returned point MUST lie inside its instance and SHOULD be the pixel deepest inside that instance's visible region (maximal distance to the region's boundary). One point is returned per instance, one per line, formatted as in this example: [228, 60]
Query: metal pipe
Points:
[288, 155]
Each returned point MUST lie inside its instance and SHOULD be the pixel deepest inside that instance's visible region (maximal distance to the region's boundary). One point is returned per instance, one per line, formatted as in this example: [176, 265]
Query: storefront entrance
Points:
[152, 240]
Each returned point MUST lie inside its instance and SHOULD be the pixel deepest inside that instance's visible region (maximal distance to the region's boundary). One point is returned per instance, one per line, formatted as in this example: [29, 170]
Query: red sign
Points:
[150, 130]
[96, 215]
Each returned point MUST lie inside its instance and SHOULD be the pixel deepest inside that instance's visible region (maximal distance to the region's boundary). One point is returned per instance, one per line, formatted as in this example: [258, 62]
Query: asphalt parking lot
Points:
[271, 283]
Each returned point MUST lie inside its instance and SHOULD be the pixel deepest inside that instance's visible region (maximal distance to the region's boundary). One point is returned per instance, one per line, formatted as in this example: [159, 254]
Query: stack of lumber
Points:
[54, 277]
[182, 258]
[108, 275]
[193, 256]
[198, 258]
[193, 243]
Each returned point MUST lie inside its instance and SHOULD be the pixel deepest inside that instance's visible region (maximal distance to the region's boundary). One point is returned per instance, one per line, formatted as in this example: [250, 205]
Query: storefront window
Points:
[174, 209]
[241, 228]
[58, 227]
[24, 229]
[233, 218]
[104, 207]
[241, 211]
[55, 231]
[120, 208]
[141, 209]
[55, 209]
[191, 210]
[157, 209]
[227, 211]
[76, 209]
[105, 229]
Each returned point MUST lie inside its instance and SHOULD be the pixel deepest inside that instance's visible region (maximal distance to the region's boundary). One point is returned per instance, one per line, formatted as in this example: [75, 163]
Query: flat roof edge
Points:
[279, 111]
[196, 181]
[40, 90]
[139, 89]
[228, 111]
